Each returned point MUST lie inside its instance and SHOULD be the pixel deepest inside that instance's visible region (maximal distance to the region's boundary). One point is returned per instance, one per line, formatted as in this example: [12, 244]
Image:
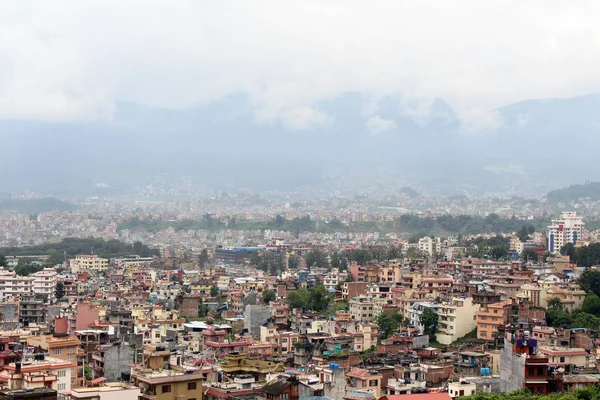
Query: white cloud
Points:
[65, 59]
[376, 125]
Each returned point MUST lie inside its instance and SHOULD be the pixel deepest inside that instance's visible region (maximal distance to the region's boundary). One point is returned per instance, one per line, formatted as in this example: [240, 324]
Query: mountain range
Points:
[537, 145]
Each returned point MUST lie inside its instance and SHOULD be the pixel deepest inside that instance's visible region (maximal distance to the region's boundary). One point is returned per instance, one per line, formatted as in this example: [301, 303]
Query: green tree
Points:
[388, 324]
[268, 296]
[214, 291]
[317, 299]
[279, 220]
[529, 254]
[590, 281]
[429, 319]
[569, 250]
[338, 261]
[59, 292]
[394, 252]
[523, 234]
[203, 258]
[3, 262]
[591, 304]
[316, 258]
[298, 299]
[498, 253]
[293, 261]
[555, 303]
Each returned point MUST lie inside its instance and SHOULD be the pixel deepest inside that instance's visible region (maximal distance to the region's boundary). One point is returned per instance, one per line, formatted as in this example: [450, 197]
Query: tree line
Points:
[70, 247]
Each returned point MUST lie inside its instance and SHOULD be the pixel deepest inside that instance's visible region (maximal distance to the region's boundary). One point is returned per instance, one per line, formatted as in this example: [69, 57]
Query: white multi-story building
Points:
[13, 285]
[456, 318]
[44, 283]
[430, 245]
[567, 229]
[331, 279]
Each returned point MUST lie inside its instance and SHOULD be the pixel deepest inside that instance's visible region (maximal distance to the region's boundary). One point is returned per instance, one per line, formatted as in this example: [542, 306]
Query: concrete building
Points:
[13, 286]
[31, 311]
[108, 391]
[44, 283]
[461, 388]
[364, 381]
[167, 384]
[255, 316]
[455, 319]
[490, 317]
[566, 229]
[331, 279]
[32, 373]
[65, 348]
[88, 262]
[361, 309]
[430, 245]
[521, 366]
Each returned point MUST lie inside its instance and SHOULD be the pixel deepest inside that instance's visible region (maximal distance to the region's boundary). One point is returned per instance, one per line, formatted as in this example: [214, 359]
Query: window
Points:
[71, 356]
[62, 373]
[562, 359]
[284, 396]
[56, 351]
[166, 388]
[373, 382]
[531, 373]
[540, 371]
[62, 387]
[192, 386]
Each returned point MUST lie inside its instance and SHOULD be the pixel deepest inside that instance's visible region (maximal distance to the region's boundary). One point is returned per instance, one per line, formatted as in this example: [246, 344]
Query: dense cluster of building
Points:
[167, 328]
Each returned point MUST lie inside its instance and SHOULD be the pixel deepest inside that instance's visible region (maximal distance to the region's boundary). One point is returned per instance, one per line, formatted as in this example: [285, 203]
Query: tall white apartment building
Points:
[13, 285]
[44, 283]
[430, 245]
[566, 229]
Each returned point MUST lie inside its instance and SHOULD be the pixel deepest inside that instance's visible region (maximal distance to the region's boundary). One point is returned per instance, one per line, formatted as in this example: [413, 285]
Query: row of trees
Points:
[341, 260]
[584, 256]
[585, 317]
[467, 224]
[268, 261]
[70, 247]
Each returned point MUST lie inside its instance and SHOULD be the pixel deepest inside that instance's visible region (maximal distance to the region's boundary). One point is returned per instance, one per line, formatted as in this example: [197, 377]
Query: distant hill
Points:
[571, 193]
[224, 145]
[34, 206]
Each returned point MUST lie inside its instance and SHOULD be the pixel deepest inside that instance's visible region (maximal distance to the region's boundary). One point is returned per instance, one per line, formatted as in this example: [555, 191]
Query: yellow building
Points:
[562, 356]
[531, 292]
[167, 384]
[65, 348]
[571, 297]
[88, 262]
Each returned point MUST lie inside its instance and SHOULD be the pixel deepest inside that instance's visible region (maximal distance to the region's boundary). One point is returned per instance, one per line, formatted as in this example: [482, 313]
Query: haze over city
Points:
[299, 200]
[455, 96]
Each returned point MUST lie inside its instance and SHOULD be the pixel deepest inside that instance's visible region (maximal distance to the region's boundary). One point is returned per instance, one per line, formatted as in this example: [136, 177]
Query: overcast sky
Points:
[76, 59]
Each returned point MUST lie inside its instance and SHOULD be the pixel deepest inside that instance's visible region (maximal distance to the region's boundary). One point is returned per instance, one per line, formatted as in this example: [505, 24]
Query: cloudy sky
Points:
[76, 59]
